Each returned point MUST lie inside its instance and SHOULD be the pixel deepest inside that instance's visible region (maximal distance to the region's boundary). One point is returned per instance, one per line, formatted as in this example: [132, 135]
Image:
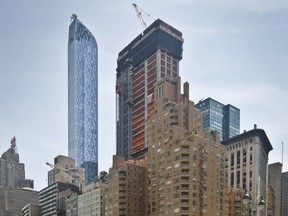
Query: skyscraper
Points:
[83, 98]
[185, 164]
[148, 58]
[12, 172]
[15, 190]
[223, 118]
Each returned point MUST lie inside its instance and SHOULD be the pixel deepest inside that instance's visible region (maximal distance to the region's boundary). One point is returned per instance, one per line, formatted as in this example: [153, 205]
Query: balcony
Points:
[122, 189]
[185, 196]
[121, 194]
[184, 212]
[184, 150]
[184, 188]
[184, 165]
[122, 182]
[185, 183]
[185, 173]
[122, 207]
[185, 158]
[122, 213]
[185, 203]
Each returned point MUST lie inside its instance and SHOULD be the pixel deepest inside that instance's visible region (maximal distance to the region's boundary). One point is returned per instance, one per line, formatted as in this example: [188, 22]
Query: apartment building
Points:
[126, 190]
[92, 200]
[185, 164]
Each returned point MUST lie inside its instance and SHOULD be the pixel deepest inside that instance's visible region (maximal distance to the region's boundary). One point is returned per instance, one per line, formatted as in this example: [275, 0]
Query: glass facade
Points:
[223, 118]
[83, 99]
[231, 122]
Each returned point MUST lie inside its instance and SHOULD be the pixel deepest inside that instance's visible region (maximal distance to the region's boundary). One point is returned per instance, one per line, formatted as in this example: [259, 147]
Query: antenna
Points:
[282, 154]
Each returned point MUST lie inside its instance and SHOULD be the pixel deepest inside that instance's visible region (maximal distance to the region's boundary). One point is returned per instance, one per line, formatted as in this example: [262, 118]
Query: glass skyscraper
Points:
[83, 98]
[223, 118]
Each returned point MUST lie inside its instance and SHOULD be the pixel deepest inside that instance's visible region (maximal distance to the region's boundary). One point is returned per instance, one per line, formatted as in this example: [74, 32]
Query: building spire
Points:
[13, 143]
[73, 17]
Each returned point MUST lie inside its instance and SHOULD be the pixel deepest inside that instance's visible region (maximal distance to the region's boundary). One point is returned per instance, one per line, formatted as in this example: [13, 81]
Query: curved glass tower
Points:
[83, 99]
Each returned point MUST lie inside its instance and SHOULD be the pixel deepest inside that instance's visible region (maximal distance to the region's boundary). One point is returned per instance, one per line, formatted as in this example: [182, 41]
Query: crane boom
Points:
[139, 15]
[56, 167]
[70, 173]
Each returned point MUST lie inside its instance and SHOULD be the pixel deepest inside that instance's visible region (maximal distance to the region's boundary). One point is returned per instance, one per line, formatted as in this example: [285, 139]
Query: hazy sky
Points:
[234, 51]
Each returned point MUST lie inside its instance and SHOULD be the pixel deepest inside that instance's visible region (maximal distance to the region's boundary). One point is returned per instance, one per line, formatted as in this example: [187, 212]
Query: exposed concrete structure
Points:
[148, 58]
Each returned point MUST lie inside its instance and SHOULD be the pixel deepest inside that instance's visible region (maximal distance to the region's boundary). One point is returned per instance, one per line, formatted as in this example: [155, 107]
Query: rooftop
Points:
[247, 134]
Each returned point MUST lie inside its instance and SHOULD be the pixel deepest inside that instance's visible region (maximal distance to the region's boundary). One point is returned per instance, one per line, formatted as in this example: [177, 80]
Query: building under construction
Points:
[153, 55]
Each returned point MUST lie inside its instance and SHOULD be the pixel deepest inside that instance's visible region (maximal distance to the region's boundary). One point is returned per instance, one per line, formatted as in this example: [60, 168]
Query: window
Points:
[160, 92]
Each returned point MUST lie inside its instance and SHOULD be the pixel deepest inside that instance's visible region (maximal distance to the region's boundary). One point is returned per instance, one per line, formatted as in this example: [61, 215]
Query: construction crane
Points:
[74, 176]
[57, 167]
[139, 15]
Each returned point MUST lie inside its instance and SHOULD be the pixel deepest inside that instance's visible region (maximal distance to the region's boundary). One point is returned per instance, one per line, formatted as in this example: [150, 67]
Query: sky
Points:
[234, 51]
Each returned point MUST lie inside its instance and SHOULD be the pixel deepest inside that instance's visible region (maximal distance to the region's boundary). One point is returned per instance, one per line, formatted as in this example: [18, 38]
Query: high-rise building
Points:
[148, 58]
[126, 189]
[284, 193]
[52, 198]
[15, 190]
[274, 180]
[12, 172]
[223, 118]
[246, 161]
[64, 171]
[83, 99]
[185, 164]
